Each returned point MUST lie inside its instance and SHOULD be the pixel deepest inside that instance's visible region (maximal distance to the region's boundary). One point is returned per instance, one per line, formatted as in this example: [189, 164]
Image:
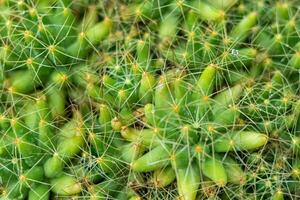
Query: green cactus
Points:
[147, 99]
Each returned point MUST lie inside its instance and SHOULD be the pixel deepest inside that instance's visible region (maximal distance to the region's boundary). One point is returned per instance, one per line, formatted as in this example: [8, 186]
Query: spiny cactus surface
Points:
[149, 99]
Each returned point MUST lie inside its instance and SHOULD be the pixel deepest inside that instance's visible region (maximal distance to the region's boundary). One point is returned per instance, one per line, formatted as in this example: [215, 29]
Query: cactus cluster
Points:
[149, 99]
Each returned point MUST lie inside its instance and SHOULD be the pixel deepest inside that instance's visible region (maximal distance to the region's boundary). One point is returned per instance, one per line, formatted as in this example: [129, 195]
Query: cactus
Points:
[147, 99]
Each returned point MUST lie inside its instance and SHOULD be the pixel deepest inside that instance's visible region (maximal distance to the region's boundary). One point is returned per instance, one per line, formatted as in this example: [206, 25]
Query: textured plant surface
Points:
[149, 99]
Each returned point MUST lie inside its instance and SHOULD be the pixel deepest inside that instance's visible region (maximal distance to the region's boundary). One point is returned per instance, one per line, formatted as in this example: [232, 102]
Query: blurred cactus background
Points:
[149, 99]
